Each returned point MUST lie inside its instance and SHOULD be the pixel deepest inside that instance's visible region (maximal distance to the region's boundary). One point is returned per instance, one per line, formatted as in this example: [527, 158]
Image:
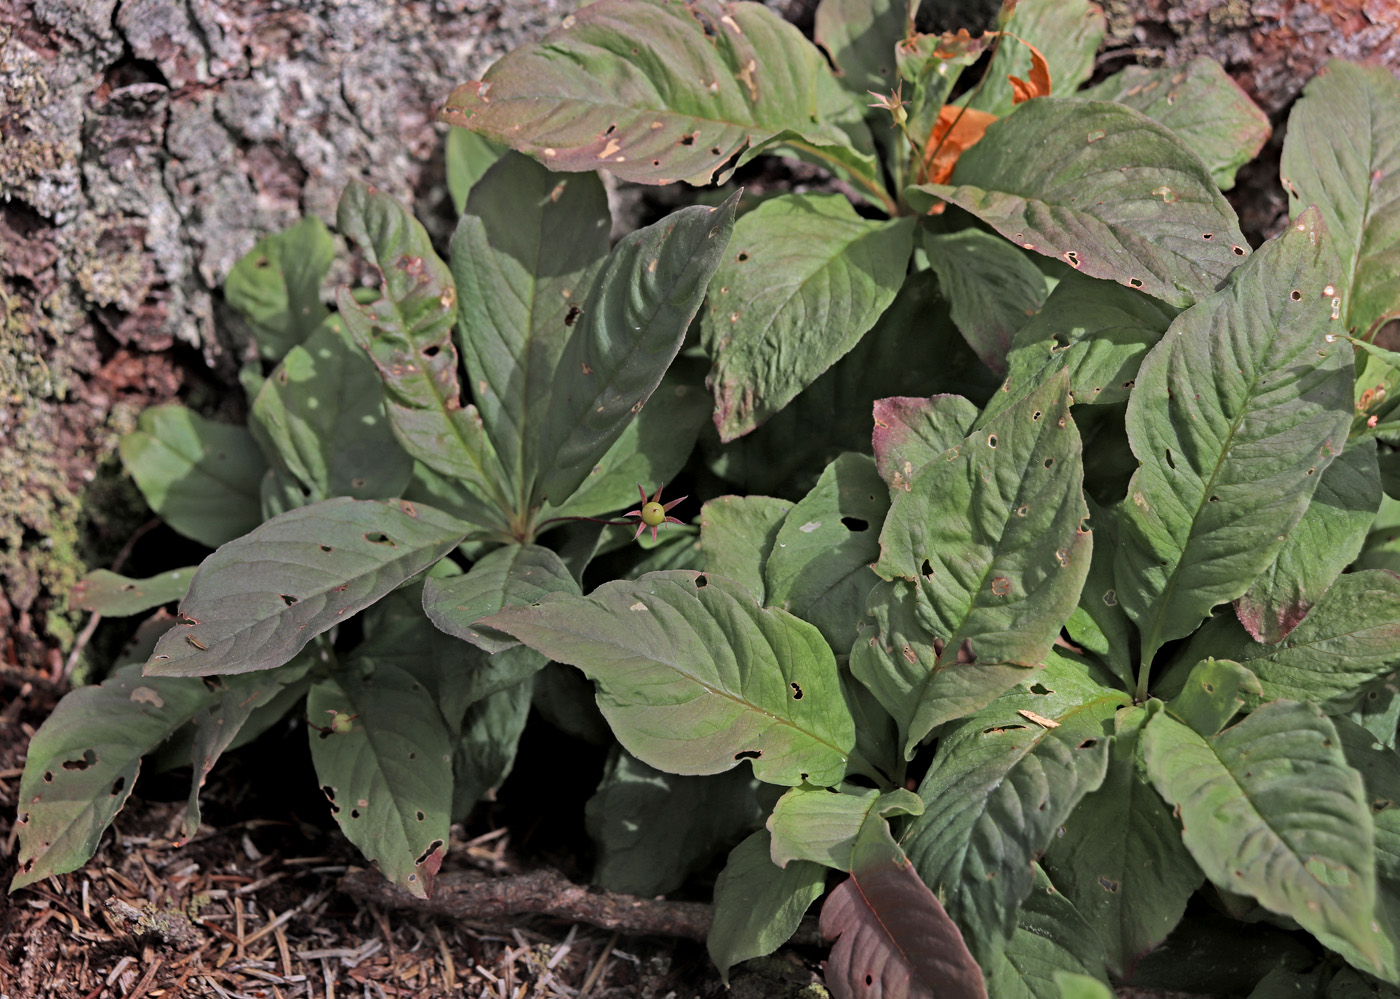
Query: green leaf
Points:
[994, 289]
[1004, 780]
[1099, 330]
[1237, 412]
[1098, 624]
[1349, 984]
[83, 761]
[523, 257]
[805, 279]
[1377, 401]
[468, 156]
[1323, 543]
[1051, 939]
[1379, 711]
[1076, 986]
[860, 36]
[1271, 807]
[1379, 767]
[1067, 32]
[321, 413]
[1342, 154]
[1119, 858]
[694, 677]
[652, 92]
[737, 534]
[485, 750]
[277, 286]
[632, 326]
[408, 334]
[1214, 693]
[909, 433]
[991, 536]
[759, 905]
[257, 601]
[105, 592]
[811, 823]
[819, 564]
[654, 829]
[515, 574]
[200, 476]
[1202, 104]
[1350, 638]
[387, 777]
[1106, 189]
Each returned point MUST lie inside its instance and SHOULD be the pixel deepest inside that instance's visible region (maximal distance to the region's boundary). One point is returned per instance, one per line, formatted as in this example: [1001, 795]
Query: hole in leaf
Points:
[1239, 250]
[714, 150]
[991, 440]
[288, 600]
[413, 756]
[89, 758]
[609, 130]
[117, 786]
[743, 255]
[419, 815]
[1312, 471]
[655, 162]
[1022, 510]
[1107, 884]
[431, 351]
[433, 847]
[1207, 686]
[378, 538]
[1047, 462]
[354, 813]
[748, 754]
[48, 776]
[572, 315]
[1134, 282]
[796, 692]
[1380, 805]
[869, 980]
[1035, 416]
[1001, 586]
[328, 791]
[1207, 235]
[926, 568]
[1295, 295]
[1214, 499]
[1087, 744]
[1170, 460]
[855, 524]
[1129, 383]
[688, 140]
[701, 582]
[1040, 688]
[327, 548]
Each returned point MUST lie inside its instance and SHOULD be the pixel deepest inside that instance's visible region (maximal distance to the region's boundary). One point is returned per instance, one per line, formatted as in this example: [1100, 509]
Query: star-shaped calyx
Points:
[653, 513]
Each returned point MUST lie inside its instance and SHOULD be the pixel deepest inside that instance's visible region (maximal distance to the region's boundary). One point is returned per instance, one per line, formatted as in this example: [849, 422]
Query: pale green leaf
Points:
[277, 286]
[909, 433]
[105, 592]
[811, 823]
[737, 534]
[759, 905]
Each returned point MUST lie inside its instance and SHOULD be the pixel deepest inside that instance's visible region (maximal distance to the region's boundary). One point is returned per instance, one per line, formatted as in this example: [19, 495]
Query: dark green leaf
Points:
[388, 776]
[1237, 413]
[909, 433]
[1342, 154]
[1106, 189]
[1098, 624]
[105, 592]
[523, 257]
[1350, 984]
[202, 477]
[321, 413]
[737, 534]
[1067, 32]
[804, 280]
[468, 156]
[819, 565]
[1272, 808]
[661, 647]
[485, 751]
[994, 289]
[1379, 767]
[632, 326]
[257, 601]
[1324, 542]
[1051, 939]
[1201, 104]
[759, 905]
[277, 286]
[515, 574]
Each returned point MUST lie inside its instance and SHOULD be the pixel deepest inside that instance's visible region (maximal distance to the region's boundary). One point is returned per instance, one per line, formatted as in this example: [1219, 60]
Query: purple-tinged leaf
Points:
[257, 601]
[909, 433]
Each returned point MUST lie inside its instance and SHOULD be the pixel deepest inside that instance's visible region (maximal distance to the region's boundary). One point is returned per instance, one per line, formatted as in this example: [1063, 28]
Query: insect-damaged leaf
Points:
[388, 774]
[737, 534]
[277, 286]
[1270, 807]
[804, 280]
[1200, 103]
[257, 601]
[105, 592]
[408, 334]
[632, 326]
[653, 92]
[83, 761]
[990, 535]
[909, 433]
[200, 476]
[513, 574]
[1104, 188]
[1237, 413]
[693, 676]
[523, 257]
[1342, 154]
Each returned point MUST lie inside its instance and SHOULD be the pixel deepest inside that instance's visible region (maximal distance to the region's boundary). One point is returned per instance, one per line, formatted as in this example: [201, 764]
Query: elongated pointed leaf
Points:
[200, 476]
[105, 592]
[694, 677]
[515, 574]
[408, 334]
[83, 761]
[1067, 32]
[805, 278]
[1002, 784]
[759, 905]
[388, 776]
[1342, 154]
[1352, 636]
[813, 824]
[321, 413]
[1323, 543]
[1120, 859]
[991, 536]
[523, 258]
[1237, 413]
[860, 36]
[485, 751]
[633, 322]
[1052, 939]
[909, 433]
[737, 534]
[994, 289]
[1379, 767]
[1272, 808]
[277, 286]
[467, 156]
[1098, 624]
[819, 566]
[1200, 103]
[257, 601]
[653, 92]
[1106, 189]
